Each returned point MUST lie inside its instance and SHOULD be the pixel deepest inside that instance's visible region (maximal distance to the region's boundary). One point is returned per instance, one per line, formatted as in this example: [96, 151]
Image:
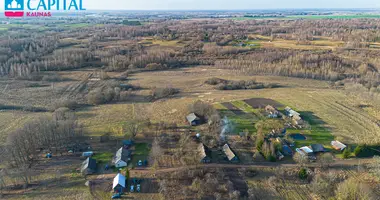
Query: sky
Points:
[219, 4]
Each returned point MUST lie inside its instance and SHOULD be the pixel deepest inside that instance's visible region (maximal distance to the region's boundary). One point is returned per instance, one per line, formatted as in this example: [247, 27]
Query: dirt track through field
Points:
[338, 164]
[76, 87]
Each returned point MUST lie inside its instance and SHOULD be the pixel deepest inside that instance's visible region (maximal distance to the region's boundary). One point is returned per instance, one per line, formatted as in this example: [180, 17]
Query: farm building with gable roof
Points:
[204, 153]
[193, 119]
[229, 153]
[88, 166]
[118, 183]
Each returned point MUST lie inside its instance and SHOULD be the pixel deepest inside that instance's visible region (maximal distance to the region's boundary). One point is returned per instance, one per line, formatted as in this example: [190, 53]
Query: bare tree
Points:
[133, 127]
[375, 166]
[351, 189]
[301, 159]
[326, 160]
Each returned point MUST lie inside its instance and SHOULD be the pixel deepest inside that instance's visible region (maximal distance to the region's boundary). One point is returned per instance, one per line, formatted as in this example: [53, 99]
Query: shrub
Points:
[155, 66]
[202, 109]
[66, 103]
[352, 189]
[347, 153]
[52, 77]
[302, 174]
[158, 93]
[358, 150]
[215, 81]
[101, 96]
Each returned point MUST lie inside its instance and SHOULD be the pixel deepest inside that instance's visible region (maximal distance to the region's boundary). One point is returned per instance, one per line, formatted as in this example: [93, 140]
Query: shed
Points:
[193, 119]
[121, 158]
[229, 153]
[119, 183]
[88, 166]
[338, 145]
[317, 148]
[204, 153]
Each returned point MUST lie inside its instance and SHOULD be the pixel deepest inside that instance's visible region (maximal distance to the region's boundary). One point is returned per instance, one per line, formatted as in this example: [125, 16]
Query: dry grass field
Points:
[335, 108]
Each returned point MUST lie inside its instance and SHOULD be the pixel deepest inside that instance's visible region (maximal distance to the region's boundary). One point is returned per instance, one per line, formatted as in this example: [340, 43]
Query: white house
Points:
[121, 158]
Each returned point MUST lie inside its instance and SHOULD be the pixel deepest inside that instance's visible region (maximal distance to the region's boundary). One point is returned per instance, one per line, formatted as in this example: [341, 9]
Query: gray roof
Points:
[202, 151]
[191, 117]
[118, 180]
[89, 163]
[317, 148]
[121, 154]
[227, 150]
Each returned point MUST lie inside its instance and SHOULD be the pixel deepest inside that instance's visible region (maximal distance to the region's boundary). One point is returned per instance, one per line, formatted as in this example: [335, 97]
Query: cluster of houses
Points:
[272, 112]
[121, 158]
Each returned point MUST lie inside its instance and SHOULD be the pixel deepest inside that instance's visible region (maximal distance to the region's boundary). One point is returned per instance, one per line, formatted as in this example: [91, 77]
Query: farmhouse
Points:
[88, 166]
[317, 148]
[193, 119]
[121, 158]
[272, 111]
[118, 183]
[229, 153]
[204, 153]
[338, 145]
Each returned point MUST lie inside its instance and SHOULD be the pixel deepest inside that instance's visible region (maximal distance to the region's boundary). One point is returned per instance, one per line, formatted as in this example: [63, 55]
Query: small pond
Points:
[297, 136]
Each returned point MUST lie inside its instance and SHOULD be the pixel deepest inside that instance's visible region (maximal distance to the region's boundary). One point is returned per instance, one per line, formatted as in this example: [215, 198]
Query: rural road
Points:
[336, 164]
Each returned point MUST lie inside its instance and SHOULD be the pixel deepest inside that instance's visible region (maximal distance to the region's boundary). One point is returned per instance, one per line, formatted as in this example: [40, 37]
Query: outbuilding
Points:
[317, 148]
[118, 185]
[338, 145]
[193, 119]
[204, 153]
[229, 153]
[88, 166]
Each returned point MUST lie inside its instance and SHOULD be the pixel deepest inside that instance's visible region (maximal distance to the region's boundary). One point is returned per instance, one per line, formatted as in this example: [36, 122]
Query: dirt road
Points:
[337, 164]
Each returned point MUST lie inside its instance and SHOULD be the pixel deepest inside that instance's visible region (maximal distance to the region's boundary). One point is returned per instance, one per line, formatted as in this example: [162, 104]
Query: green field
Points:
[316, 132]
[105, 157]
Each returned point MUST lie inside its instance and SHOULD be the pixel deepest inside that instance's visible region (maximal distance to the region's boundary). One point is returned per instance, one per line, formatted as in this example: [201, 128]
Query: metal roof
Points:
[230, 155]
[89, 163]
[118, 180]
[191, 117]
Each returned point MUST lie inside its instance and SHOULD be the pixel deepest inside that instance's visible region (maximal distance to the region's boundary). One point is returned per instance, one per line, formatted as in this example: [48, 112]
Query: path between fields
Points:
[336, 164]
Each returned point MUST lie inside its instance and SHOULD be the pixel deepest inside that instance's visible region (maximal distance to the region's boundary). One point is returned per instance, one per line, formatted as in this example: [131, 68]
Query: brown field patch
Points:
[262, 102]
